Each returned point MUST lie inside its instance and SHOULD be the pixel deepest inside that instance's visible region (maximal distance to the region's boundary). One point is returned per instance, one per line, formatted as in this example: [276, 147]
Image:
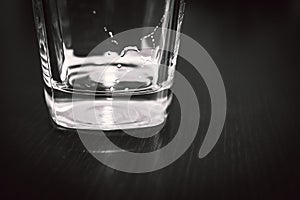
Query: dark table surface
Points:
[256, 47]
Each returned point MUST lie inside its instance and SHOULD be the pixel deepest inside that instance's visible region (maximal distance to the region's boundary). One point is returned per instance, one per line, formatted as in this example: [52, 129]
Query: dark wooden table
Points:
[256, 46]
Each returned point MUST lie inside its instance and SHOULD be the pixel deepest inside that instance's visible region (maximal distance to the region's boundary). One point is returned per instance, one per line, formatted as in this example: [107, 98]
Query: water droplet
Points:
[110, 34]
[126, 89]
[155, 29]
[111, 89]
[119, 66]
[115, 42]
[117, 81]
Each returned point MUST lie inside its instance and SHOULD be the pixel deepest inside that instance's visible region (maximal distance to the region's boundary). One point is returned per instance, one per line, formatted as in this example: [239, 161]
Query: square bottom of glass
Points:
[99, 112]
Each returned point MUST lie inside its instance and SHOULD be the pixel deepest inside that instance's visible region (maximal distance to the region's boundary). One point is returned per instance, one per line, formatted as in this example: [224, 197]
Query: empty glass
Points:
[100, 75]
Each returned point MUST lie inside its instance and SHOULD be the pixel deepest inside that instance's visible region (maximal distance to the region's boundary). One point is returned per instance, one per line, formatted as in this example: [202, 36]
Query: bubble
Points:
[111, 89]
[119, 66]
[108, 53]
[126, 89]
[94, 12]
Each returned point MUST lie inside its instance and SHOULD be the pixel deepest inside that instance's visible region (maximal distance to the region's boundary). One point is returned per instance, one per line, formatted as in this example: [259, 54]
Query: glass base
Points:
[113, 112]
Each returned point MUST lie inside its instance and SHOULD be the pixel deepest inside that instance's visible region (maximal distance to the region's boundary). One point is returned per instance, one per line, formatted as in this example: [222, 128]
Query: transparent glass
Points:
[75, 66]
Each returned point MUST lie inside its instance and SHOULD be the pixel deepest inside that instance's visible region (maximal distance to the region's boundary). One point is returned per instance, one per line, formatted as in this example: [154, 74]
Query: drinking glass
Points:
[97, 78]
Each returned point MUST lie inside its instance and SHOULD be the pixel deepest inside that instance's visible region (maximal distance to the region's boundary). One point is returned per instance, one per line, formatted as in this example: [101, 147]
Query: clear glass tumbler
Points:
[128, 78]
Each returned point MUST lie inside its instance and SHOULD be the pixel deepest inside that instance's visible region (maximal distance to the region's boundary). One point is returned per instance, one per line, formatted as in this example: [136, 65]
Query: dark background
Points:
[256, 46]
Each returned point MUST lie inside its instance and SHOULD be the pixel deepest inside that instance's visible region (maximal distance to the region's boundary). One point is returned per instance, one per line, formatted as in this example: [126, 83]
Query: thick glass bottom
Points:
[115, 112]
